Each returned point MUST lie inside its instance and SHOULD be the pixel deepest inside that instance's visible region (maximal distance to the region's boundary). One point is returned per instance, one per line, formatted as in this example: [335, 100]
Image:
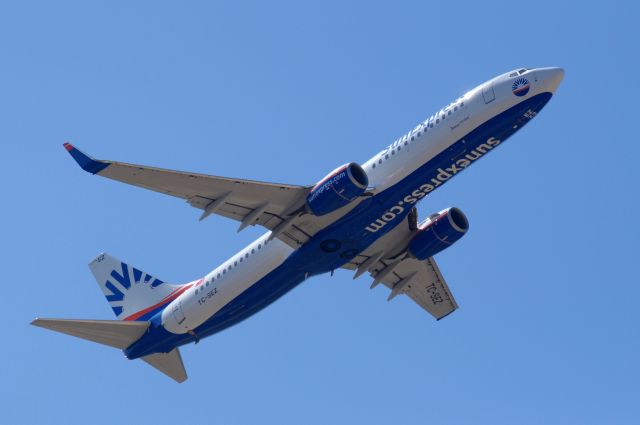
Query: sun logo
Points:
[520, 87]
[130, 281]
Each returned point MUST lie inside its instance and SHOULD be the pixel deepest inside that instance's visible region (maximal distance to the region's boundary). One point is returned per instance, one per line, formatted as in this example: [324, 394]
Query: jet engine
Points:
[337, 189]
[438, 232]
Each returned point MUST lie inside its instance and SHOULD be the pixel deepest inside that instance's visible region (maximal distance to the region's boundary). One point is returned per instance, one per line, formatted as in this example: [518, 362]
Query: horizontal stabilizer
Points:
[114, 333]
[168, 363]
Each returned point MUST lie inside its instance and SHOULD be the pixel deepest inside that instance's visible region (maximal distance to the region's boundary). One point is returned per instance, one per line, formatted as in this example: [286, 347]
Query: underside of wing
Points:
[421, 281]
[388, 264]
[271, 205]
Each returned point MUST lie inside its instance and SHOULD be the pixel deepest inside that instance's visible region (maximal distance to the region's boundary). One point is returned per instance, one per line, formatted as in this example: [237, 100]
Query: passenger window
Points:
[380, 160]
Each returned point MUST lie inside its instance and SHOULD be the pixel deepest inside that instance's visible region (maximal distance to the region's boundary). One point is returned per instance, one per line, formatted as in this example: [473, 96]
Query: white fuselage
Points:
[211, 293]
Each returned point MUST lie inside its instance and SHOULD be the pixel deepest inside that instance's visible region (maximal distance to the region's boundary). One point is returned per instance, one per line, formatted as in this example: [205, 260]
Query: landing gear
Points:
[413, 219]
[195, 337]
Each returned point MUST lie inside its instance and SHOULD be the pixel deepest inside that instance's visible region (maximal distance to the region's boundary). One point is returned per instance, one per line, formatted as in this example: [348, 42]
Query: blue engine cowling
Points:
[337, 189]
[438, 232]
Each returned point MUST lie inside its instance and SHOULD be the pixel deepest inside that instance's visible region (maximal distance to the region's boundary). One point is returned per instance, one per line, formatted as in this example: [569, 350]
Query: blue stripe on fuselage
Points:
[350, 231]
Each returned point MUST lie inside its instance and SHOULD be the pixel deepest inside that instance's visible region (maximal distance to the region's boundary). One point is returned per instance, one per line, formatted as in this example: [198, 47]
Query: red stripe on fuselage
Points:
[166, 300]
[520, 89]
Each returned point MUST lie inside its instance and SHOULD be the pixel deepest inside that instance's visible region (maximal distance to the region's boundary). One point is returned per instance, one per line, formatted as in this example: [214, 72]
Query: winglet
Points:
[86, 162]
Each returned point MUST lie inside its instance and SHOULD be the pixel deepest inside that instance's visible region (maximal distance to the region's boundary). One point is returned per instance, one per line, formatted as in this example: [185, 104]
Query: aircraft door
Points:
[488, 93]
[178, 314]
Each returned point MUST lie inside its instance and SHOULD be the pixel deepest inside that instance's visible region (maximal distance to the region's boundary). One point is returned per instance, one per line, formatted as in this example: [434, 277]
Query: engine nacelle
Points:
[337, 189]
[438, 232]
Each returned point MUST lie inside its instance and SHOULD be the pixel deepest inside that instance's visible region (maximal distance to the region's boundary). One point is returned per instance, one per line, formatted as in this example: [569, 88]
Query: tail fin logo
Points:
[123, 280]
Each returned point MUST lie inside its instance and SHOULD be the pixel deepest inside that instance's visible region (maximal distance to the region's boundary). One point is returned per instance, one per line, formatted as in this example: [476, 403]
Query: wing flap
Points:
[419, 280]
[188, 185]
[427, 288]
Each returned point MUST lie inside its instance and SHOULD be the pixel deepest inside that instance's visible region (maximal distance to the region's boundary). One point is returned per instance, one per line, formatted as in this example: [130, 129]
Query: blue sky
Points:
[547, 330]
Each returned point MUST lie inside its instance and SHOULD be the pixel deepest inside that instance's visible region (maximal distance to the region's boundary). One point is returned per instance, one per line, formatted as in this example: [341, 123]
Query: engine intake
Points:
[337, 189]
[438, 232]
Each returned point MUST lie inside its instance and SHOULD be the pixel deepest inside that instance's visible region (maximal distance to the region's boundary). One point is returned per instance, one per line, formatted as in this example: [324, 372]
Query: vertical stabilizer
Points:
[132, 294]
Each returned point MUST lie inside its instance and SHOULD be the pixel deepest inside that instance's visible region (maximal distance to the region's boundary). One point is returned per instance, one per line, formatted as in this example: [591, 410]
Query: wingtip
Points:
[85, 161]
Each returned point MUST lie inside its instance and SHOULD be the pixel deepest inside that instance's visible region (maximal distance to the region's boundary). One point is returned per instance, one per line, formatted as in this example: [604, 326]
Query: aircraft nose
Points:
[551, 77]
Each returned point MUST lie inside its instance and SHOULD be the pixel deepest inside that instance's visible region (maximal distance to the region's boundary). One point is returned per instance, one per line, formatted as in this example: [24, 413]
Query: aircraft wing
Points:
[421, 281]
[249, 202]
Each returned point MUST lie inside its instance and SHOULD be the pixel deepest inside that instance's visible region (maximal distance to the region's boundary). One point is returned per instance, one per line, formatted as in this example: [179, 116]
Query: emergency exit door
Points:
[487, 92]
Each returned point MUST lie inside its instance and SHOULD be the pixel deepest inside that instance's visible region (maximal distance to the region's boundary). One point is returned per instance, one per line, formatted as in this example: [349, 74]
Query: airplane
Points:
[359, 217]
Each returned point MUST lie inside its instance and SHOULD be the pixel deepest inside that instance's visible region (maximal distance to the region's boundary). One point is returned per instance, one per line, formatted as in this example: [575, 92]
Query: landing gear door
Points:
[487, 92]
[178, 314]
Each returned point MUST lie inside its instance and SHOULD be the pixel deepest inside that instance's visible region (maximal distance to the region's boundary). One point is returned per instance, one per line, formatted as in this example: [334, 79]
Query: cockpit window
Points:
[522, 71]
[513, 74]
